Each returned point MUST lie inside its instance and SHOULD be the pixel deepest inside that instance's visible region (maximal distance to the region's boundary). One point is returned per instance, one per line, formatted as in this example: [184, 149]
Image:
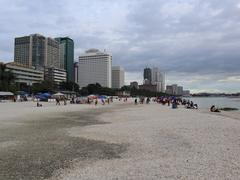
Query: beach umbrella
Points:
[92, 97]
[102, 97]
[46, 94]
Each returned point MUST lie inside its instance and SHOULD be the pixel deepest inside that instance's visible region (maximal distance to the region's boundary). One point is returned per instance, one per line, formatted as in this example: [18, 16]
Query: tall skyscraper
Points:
[158, 78]
[67, 56]
[95, 67]
[154, 77]
[52, 53]
[118, 77]
[76, 64]
[36, 51]
[147, 75]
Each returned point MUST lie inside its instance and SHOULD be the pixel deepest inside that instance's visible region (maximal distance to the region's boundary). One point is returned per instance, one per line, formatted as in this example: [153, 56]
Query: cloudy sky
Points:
[196, 42]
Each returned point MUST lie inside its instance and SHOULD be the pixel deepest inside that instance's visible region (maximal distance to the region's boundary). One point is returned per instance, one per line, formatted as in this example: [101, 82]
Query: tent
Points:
[2, 93]
[58, 95]
[6, 95]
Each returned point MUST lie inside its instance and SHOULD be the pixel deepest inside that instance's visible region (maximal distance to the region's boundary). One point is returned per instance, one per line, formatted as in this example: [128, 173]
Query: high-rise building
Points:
[118, 77]
[95, 67]
[180, 90]
[176, 90]
[36, 51]
[52, 53]
[67, 56]
[158, 78]
[76, 72]
[147, 75]
[154, 77]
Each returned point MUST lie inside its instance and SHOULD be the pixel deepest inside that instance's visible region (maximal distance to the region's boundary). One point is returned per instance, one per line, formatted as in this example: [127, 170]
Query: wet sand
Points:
[34, 146]
[121, 141]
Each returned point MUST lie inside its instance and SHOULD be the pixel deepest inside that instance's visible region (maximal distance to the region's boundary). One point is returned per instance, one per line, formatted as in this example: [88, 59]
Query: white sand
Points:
[162, 143]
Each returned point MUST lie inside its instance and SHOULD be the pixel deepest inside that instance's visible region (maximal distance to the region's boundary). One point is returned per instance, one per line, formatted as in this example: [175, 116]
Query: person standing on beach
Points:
[96, 102]
[136, 101]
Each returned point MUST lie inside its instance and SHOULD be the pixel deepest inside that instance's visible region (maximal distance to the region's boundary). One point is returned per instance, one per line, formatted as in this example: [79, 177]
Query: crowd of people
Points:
[170, 101]
[174, 102]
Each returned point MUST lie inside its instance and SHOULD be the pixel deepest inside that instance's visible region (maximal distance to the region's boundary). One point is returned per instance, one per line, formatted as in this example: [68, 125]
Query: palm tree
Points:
[6, 78]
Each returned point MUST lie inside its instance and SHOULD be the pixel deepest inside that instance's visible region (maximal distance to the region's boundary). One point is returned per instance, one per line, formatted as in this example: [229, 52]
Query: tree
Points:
[44, 86]
[69, 86]
[7, 79]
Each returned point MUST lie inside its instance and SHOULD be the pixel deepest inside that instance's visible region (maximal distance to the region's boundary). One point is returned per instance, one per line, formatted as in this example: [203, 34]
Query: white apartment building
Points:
[95, 67]
[118, 77]
[55, 75]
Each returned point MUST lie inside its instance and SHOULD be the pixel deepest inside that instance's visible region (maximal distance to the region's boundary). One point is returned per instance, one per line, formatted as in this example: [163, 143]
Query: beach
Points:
[117, 141]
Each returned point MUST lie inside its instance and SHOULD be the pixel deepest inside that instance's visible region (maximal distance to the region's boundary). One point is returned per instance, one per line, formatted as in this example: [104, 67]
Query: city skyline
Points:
[194, 42]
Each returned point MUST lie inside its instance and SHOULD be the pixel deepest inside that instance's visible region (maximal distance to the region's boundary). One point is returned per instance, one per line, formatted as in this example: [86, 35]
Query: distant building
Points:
[180, 90]
[76, 64]
[24, 75]
[153, 76]
[148, 87]
[52, 53]
[134, 85]
[67, 56]
[158, 78]
[146, 81]
[186, 93]
[55, 75]
[123, 93]
[36, 51]
[147, 75]
[118, 77]
[169, 90]
[95, 67]
[176, 90]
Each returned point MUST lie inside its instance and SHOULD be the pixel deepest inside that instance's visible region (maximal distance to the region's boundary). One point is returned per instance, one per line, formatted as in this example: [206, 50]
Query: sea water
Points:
[220, 102]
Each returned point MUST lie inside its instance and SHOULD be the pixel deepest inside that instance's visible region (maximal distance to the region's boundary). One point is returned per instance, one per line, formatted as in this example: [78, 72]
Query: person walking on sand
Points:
[57, 101]
[103, 102]
[65, 101]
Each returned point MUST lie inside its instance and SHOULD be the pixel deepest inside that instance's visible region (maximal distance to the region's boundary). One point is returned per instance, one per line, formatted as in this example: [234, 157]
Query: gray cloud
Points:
[188, 37]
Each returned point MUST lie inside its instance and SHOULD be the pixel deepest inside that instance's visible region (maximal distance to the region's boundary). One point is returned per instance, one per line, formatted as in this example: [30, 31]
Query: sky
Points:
[195, 42]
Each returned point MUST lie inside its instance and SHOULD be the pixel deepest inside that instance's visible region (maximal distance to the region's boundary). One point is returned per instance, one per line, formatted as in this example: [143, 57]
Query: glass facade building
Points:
[67, 56]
